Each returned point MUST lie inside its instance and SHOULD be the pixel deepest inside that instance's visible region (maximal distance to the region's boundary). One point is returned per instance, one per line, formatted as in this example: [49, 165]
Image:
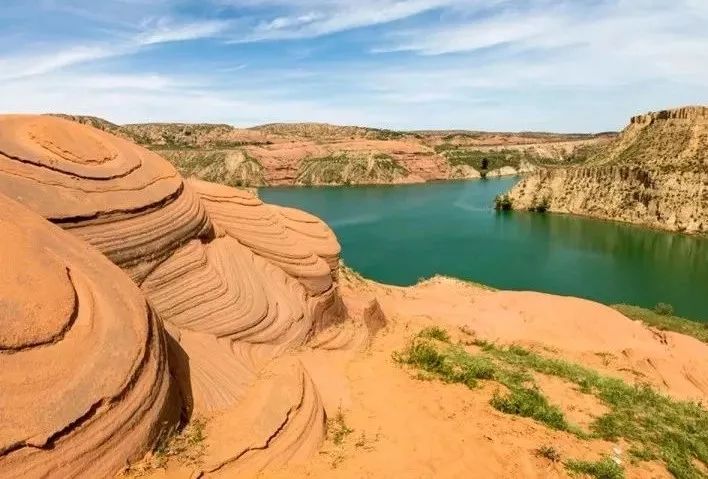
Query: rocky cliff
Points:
[655, 173]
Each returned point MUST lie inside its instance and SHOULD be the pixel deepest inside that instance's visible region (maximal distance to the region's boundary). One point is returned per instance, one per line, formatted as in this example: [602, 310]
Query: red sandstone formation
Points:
[235, 283]
[238, 313]
[84, 386]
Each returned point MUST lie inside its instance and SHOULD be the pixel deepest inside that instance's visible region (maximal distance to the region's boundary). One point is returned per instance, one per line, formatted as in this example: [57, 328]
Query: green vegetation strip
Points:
[456, 155]
[605, 468]
[344, 168]
[657, 427]
[663, 319]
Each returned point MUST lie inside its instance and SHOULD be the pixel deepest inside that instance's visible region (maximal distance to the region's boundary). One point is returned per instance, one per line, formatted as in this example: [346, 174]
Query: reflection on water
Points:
[399, 234]
[620, 240]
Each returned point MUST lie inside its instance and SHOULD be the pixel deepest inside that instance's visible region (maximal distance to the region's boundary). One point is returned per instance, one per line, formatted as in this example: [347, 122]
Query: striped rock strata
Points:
[83, 374]
[236, 284]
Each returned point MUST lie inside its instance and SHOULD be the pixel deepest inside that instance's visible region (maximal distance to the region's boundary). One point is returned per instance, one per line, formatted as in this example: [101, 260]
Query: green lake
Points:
[400, 234]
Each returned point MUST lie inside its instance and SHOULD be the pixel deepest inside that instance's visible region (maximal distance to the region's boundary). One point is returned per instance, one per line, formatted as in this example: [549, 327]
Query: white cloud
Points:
[165, 31]
[158, 98]
[476, 35]
[313, 18]
[28, 65]
[611, 26]
[31, 63]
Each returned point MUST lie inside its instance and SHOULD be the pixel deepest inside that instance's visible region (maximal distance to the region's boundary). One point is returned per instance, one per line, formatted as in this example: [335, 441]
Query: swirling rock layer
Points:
[243, 216]
[82, 361]
[282, 414]
[235, 283]
[123, 199]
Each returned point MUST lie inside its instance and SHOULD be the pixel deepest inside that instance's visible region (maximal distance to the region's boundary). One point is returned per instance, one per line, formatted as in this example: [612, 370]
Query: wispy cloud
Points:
[24, 65]
[164, 31]
[500, 64]
[151, 32]
[314, 18]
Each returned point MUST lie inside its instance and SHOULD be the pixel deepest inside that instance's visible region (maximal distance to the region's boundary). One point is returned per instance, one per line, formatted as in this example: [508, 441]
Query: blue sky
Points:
[561, 65]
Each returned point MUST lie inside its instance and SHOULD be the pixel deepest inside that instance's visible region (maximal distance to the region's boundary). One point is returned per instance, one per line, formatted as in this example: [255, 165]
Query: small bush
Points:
[548, 452]
[337, 428]
[603, 469]
[435, 332]
[529, 402]
[503, 203]
[450, 364]
[542, 206]
[664, 309]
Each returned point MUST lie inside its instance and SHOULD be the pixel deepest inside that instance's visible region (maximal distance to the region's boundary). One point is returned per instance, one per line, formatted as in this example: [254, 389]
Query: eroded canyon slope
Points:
[655, 173]
[135, 303]
[314, 153]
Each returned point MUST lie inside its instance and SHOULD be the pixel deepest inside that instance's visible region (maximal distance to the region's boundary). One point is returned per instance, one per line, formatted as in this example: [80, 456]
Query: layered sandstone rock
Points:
[236, 283]
[123, 199]
[83, 374]
[655, 173]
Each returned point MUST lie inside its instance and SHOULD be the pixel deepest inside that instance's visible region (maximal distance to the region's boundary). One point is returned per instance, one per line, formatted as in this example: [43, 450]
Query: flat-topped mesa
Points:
[123, 199]
[83, 373]
[654, 173]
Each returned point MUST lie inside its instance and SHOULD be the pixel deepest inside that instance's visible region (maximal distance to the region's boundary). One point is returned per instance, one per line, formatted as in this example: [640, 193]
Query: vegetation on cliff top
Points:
[477, 159]
[653, 174]
[229, 167]
[346, 168]
[322, 131]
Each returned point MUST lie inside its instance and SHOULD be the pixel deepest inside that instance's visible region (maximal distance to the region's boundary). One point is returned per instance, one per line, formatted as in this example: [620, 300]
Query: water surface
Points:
[400, 234]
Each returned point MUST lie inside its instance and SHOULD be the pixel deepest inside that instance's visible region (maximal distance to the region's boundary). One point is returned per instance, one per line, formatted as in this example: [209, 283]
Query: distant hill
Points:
[320, 153]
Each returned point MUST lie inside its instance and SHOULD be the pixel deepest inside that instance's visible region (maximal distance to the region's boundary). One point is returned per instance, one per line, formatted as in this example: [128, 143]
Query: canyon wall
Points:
[655, 173]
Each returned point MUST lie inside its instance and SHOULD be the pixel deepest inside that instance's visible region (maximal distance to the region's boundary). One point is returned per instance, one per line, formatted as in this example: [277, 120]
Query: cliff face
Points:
[655, 173]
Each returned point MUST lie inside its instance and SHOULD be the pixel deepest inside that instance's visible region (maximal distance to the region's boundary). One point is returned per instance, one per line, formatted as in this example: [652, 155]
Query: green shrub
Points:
[337, 428]
[603, 469]
[530, 402]
[541, 206]
[503, 203]
[664, 309]
[435, 332]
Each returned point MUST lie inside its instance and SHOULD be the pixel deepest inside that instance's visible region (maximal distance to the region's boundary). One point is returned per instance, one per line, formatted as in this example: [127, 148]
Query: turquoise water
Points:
[399, 234]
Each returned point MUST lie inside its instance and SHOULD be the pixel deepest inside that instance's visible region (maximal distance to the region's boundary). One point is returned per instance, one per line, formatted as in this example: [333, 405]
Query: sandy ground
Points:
[405, 427]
